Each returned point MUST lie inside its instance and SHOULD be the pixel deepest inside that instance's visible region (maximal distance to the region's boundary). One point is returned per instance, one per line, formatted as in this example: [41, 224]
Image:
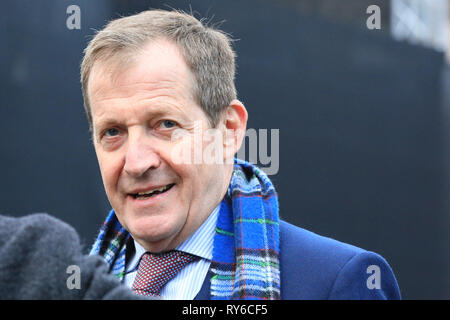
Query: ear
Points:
[235, 121]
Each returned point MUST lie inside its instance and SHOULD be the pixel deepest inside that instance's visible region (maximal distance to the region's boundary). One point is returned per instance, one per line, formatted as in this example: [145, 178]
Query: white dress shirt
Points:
[188, 282]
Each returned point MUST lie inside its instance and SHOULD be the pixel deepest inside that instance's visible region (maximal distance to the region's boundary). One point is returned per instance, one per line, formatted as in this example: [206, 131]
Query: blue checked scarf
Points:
[245, 263]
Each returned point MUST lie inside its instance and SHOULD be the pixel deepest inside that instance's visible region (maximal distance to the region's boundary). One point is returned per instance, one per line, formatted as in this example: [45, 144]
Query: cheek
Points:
[110, 170]
[189, 179]
[202, 180]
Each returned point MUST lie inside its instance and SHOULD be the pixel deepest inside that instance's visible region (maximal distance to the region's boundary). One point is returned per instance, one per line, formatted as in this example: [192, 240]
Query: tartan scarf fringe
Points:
[245, 263]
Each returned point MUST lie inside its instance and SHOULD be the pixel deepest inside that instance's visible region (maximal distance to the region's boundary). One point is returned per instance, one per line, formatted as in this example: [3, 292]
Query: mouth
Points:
[151, 193]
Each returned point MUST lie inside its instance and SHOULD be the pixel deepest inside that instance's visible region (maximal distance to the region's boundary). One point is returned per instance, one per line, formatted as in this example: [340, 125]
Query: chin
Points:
[154, 232]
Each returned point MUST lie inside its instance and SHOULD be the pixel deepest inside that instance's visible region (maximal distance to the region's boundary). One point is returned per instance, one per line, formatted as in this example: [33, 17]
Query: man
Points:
[187, 224]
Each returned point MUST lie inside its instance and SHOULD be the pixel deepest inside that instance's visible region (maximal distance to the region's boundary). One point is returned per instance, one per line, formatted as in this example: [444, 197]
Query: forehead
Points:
[158, 66]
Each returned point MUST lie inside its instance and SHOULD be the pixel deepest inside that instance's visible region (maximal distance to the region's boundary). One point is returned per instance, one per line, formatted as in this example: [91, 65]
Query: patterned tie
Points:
[155, 270]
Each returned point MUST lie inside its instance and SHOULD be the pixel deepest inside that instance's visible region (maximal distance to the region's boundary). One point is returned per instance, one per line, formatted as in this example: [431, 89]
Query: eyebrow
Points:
[155, 111]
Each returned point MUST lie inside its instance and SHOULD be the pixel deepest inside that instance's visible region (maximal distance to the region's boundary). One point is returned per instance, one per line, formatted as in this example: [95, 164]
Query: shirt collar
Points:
[200, 243]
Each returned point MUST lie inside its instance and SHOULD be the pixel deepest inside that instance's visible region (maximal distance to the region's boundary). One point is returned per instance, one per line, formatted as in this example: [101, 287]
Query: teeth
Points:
[151, 191]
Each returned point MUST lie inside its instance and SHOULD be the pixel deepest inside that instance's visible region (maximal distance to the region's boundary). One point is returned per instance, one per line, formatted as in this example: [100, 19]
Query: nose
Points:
[140, 155]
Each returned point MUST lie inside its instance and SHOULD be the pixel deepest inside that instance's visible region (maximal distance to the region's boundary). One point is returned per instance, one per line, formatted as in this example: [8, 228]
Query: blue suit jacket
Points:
[316, 267]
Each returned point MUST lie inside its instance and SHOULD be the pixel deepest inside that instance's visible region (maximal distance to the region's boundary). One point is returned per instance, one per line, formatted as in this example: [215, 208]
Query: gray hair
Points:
[207, 52]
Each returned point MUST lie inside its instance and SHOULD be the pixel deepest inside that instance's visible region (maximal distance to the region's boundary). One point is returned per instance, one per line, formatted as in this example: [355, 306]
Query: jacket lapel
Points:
[205, 293]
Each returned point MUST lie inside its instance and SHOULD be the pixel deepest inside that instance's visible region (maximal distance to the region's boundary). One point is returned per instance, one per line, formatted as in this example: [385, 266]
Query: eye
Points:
[112, 132]
[168, 124]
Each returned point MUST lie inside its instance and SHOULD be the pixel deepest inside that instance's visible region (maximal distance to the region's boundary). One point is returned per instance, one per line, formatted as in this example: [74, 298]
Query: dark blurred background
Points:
[363, 118]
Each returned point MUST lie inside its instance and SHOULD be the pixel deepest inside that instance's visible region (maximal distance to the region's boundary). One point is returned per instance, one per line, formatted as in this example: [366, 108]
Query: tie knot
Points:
[155, 270]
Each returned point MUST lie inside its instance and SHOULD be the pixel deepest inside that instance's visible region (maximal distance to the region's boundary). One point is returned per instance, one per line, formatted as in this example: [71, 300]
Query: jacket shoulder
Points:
[313, 244]
[317, 267]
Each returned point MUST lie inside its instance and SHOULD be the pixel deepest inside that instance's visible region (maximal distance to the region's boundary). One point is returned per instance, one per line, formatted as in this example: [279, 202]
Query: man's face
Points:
[134, 116]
